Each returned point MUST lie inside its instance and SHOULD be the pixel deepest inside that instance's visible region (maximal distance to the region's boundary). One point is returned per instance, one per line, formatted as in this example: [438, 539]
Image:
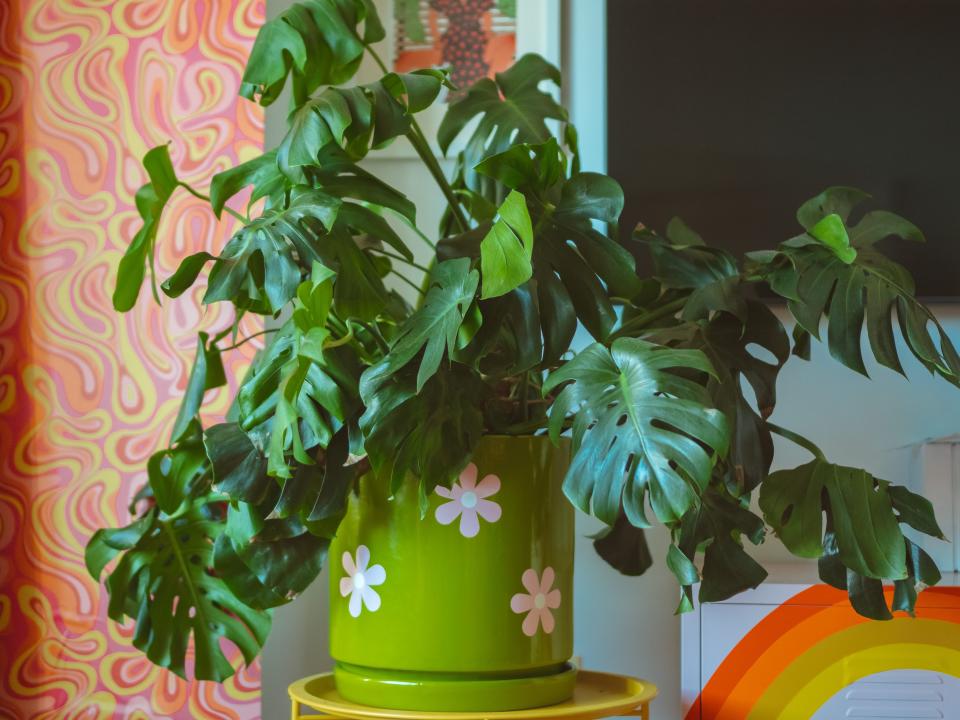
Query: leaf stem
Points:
[797, 439]
[641, 321]
[407, 280]
[248, 338]
[418, 140]
[402, 259]
[206, 198]
[377, 335]
[340, 341]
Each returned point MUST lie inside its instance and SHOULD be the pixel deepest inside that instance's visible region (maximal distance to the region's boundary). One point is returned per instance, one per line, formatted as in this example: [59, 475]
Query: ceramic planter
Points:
[468, 608]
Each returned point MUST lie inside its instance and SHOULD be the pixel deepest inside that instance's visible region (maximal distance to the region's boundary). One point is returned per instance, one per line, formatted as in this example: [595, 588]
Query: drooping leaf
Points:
[684, 262]
[915, 510]
[512, 109]
[268, 562]
[623, 547]
[754, 349]
[433, 328]
[429, 430]
[261, 172]
[239, 467]
[358, 118]
[164, 580]
[815, 281]
[639, 426]
[259, 268]
[150, 200]
[860, 509]
[717, 525]
[316, 42]
[180, 472]
[506, 250]
[207, 373]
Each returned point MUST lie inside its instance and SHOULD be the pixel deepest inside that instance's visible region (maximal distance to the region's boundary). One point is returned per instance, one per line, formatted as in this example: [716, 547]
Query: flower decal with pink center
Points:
[361, 577]
[538, 602]
[469, 502]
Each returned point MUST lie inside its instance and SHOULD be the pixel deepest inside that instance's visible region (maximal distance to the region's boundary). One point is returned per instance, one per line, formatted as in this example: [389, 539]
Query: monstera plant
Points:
[377, 364]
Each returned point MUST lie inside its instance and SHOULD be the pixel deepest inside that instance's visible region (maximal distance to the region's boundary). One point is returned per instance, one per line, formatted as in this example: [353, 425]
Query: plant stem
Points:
[248, 338]
[422, 147]
[206, 198]
[340, 341]
[642, 321]
[416, 138]
[402, 259]
[798, 439]
[407, 280]
[525, 397]
[377, 336]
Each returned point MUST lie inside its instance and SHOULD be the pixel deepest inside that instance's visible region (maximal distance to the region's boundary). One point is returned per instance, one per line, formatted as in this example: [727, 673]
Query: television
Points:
[731, 114]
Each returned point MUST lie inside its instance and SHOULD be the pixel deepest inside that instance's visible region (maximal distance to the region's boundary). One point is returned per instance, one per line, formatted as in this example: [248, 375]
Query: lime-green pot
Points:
[469, 607]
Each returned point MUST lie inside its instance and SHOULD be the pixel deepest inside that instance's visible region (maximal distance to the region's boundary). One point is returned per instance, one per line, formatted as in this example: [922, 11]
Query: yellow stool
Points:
[598, 695]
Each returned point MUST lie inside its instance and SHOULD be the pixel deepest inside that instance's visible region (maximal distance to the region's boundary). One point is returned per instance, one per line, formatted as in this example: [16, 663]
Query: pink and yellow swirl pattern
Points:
[86, 395]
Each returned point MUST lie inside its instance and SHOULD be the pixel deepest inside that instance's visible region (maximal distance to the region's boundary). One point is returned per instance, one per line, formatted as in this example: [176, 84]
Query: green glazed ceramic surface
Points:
[471, 605]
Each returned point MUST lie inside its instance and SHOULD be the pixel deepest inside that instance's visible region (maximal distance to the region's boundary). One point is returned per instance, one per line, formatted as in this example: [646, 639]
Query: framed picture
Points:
[473, 38]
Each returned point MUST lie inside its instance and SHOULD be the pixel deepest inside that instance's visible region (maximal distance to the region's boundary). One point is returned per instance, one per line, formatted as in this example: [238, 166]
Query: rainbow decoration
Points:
[814, 645]
[86, 88]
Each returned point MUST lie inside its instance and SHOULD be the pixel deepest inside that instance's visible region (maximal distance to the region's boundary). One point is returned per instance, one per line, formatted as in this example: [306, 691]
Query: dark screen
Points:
[731, 113]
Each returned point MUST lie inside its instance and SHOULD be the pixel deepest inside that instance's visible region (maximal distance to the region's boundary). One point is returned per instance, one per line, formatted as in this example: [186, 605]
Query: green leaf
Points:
[239, 467]
[916, 511]
[686, 574]
[354, 120]
[733, 348]
[260, 267]
[624, 547]
[316, 42]
[164, 580]
[716, 525]
[838, 201]
[831, 232]
[591, 196]
[430, 430]
[506, 251]
[859, 509]
[268, 562]
[262, 172]
[815, 281]
[511, 109]
[150, 201]
[180, 472]
[207, 373]
[638, 425]
[880, 224]
[186, 275]
[684, 262]
[433, 328]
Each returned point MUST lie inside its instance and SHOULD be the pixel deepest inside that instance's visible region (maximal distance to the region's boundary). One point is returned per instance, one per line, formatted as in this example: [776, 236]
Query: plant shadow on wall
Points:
[667, 409]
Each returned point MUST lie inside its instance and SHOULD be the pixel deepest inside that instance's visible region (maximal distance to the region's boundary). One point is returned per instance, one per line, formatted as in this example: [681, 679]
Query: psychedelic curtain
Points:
[86, 88]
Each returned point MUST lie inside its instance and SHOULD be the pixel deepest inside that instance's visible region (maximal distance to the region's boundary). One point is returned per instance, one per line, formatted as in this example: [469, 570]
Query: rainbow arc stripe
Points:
[814, 645]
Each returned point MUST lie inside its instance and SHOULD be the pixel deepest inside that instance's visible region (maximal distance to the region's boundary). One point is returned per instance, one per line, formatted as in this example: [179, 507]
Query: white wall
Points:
[627, 624]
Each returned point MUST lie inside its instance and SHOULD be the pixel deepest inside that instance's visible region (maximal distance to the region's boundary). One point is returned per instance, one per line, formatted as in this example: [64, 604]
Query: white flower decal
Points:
[360, 581]
[468, 500]
[538, 603]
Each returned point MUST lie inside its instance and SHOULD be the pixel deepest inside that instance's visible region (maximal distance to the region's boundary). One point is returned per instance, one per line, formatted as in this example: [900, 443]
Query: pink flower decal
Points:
[538, 603]
[468, 500]
[361, 577]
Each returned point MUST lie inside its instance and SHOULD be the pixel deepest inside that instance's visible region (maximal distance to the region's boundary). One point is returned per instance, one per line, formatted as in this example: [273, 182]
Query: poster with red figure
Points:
[474, 38]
